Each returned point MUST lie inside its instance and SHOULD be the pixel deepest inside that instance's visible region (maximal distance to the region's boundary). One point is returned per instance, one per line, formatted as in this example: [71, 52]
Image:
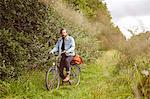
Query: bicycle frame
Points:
[74, 79]
[56, 62]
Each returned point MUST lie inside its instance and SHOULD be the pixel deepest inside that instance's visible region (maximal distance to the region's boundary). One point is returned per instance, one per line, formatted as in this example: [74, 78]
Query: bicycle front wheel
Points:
[52, 79]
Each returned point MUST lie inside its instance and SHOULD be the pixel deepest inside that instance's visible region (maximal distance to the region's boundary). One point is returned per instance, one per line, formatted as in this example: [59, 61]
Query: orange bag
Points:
[76, 60]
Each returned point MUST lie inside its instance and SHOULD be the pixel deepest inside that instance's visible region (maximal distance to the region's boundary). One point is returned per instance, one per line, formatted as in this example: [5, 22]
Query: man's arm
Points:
[72, 48]
[55, 49]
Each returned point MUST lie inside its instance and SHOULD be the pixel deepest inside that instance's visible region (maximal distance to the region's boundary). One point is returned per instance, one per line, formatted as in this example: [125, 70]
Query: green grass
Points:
[32, 85]
[95, 84]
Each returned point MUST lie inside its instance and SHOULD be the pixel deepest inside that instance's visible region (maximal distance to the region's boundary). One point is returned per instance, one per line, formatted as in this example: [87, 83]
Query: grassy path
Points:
[96, 83]
[34, 88]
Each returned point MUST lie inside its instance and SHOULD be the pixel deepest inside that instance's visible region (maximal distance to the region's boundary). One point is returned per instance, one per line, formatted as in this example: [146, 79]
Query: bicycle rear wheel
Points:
[75, 75]
[52, 79]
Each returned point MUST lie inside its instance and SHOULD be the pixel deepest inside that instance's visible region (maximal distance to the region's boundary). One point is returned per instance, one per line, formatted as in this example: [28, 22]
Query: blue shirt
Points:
[69, 46]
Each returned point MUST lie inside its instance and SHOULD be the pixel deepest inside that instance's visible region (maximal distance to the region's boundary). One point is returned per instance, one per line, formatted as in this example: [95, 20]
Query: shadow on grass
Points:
[66, 87]
[57, 93]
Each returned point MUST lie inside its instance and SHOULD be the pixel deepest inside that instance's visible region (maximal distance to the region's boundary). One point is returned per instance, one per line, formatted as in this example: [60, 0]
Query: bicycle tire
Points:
[52, 79]
[75, 75]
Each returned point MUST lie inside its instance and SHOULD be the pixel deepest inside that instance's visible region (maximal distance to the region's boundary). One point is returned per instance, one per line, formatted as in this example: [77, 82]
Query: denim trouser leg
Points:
[68, 60]
[65, 62]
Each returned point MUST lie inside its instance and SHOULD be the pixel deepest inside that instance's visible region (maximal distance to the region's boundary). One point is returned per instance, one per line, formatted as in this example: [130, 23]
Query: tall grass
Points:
[30, 84]
[101, 80]
[94, 85]
[136, 59]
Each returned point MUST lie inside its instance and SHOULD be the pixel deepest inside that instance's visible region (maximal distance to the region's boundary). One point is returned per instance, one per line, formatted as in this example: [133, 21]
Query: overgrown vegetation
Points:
[25, 30]
[135, 61]
[26, 27]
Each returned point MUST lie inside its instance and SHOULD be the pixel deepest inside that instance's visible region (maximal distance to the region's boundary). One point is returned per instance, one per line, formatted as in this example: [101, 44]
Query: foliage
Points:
[25, 29]
[31, 85]
[87, 7]
[135, 60]
[23, 24]
[13, 55]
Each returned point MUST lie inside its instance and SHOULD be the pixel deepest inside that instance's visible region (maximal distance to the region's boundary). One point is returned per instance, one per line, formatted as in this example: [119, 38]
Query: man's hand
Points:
[63, 52]
[51, 52]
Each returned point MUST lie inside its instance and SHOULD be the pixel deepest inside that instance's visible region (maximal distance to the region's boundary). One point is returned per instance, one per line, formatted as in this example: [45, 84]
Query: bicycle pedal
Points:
[66, 82]
[69, 82]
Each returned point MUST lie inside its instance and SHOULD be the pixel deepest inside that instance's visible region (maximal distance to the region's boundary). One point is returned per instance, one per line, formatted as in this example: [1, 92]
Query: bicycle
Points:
[53, 78]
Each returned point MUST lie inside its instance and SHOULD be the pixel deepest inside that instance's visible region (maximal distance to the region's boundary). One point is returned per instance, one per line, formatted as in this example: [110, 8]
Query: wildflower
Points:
[145, 72]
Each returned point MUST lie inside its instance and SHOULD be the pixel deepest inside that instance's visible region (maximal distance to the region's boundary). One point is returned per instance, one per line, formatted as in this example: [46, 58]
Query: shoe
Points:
[66, 78]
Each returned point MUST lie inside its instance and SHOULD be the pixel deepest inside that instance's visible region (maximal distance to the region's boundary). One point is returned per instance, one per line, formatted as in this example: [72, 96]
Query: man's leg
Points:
[61, 68]
[68, 67]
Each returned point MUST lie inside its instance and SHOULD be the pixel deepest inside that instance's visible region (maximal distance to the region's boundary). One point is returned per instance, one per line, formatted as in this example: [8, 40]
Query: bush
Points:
[26, 27]
[13, 55]
[23, 33]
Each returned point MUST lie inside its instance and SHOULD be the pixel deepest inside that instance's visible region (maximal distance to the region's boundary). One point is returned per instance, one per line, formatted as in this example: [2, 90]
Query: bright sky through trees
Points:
[130, 15]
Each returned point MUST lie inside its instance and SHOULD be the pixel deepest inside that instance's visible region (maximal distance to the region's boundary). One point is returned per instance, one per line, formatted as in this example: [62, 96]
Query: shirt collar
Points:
[67, 37]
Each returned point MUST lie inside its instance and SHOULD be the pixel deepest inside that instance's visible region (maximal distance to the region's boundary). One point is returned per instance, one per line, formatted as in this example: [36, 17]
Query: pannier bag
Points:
[77, 60]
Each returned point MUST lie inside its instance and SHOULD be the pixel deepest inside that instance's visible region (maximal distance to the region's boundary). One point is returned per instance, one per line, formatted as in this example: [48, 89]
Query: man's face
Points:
[63, 33]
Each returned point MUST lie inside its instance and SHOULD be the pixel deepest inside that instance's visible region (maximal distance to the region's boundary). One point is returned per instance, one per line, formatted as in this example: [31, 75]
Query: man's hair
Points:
[62, 29]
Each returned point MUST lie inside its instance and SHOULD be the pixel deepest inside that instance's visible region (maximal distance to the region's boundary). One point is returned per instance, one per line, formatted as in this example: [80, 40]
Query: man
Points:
[65, 47]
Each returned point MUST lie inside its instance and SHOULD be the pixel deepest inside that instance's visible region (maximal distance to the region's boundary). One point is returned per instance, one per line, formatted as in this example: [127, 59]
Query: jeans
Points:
[65, 63]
